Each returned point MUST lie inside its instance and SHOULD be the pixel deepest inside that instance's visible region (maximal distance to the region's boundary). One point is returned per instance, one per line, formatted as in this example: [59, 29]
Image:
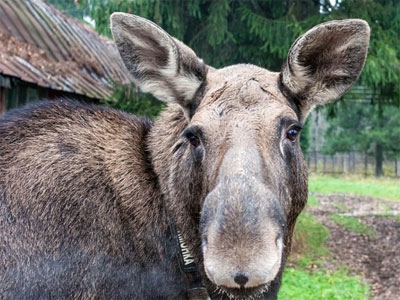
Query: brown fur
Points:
[87, 193]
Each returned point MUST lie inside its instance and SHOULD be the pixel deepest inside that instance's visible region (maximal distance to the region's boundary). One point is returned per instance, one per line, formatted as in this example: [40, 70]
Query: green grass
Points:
[384, 188]
[303, 285]
[340, 206]
[397, 218]
[353, 224]
[300, 283]
[312, 201]
[310, 235]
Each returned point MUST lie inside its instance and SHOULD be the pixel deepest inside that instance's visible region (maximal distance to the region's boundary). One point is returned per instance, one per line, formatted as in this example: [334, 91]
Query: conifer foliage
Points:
[225, 32]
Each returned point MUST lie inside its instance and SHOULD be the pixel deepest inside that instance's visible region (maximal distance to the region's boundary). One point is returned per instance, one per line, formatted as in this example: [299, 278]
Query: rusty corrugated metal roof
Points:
[42, 45]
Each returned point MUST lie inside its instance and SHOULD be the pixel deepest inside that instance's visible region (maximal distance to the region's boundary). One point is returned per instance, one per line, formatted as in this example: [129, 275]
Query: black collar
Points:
[188, 267]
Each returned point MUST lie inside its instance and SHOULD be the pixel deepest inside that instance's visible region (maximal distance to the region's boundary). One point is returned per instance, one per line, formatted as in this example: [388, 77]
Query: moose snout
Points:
[242, 236]
[245, 267]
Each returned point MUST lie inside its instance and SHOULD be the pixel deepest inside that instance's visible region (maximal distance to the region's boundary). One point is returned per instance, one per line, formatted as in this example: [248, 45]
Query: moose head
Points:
[227, 148]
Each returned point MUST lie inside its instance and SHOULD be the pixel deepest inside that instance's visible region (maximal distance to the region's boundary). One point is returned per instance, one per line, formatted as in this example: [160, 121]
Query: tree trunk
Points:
[366, 164]
[315, 161]
[379, 160]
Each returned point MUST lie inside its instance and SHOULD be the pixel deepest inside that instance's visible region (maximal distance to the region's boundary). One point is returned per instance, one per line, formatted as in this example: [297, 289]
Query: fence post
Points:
[349, 163]
[342, 163]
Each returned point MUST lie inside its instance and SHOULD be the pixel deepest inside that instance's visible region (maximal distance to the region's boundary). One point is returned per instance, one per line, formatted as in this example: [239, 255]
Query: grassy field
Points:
[302, 281]
[353, 224]
[321, 285]
[384, 188]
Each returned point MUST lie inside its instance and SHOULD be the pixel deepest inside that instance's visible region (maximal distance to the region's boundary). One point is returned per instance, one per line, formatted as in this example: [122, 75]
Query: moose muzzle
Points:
[242, 224]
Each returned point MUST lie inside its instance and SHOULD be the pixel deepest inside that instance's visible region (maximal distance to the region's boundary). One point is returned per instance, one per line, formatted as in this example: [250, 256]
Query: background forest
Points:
[225, 32]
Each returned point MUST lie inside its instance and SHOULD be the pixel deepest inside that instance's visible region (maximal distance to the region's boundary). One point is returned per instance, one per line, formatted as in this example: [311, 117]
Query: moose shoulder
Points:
[87, 193]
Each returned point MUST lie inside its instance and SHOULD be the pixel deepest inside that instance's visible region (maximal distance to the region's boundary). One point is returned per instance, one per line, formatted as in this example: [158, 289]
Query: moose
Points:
[96, 203]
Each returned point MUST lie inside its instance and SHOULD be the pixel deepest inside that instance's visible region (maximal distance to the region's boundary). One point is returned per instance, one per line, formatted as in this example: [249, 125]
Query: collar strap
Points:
[188, 267]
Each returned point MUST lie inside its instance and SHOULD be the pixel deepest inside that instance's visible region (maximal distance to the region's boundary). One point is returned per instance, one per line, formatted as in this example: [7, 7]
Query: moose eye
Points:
[292, 133]
[193, 140]
[193, 136]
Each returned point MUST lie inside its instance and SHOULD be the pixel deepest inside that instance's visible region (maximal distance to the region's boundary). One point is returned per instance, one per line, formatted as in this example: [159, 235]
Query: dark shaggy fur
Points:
[68, 226]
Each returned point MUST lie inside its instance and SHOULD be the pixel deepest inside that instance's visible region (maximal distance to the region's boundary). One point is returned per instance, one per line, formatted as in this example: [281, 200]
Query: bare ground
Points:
[375, 257]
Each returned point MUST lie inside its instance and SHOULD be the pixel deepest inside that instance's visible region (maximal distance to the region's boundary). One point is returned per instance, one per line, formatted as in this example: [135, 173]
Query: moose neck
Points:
[181, 201]
[145, 216]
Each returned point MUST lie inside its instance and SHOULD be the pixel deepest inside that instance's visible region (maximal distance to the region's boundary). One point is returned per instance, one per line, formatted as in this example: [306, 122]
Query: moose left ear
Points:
[158, 63]
[325, 62]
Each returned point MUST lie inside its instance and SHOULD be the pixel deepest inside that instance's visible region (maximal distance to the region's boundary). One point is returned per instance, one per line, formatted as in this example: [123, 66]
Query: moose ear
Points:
[159, 64]
[325, 62]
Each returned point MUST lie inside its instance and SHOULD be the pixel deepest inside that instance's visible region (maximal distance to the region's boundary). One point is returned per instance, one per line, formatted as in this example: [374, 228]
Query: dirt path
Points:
[375, 257]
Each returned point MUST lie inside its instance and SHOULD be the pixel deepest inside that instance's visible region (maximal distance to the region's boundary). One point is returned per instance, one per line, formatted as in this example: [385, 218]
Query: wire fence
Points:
[351, 163]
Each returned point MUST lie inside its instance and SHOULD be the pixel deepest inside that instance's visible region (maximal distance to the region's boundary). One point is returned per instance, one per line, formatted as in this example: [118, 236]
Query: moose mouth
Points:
[243, 293]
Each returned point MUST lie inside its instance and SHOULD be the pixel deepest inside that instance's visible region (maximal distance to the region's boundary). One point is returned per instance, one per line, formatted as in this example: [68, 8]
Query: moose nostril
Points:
[241, 279]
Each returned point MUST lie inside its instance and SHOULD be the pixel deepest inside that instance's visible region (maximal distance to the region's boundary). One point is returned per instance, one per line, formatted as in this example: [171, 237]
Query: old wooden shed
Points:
[45, 53]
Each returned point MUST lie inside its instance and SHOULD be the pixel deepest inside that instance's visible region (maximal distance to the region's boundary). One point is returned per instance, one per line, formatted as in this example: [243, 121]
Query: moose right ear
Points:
[159, 64]
[325, 62]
